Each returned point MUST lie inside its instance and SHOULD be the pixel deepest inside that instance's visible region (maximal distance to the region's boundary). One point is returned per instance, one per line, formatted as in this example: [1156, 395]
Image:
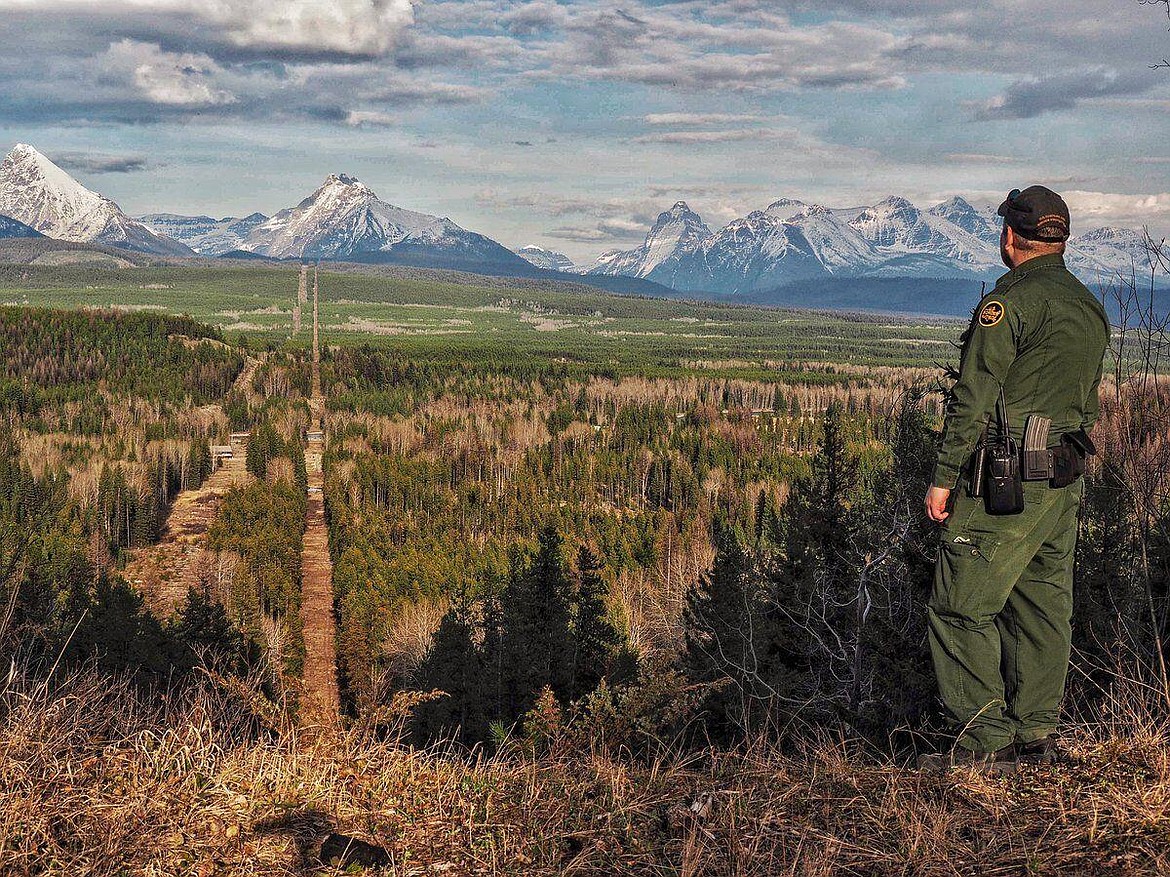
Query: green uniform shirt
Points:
[1041, 335]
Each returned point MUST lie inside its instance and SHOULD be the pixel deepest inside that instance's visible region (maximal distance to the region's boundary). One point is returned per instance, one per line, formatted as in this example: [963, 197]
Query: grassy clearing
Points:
[95, 779]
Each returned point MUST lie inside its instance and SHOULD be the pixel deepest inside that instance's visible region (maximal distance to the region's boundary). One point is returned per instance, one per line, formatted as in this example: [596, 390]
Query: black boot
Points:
[1000, 762]
[1046, 750]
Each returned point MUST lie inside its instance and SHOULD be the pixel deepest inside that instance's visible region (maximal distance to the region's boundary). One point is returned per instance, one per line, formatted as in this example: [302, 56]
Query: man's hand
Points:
[936, 504]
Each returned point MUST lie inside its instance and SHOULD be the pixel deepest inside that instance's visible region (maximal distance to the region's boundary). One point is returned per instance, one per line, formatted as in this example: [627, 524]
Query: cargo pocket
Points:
[971, 545]
[961, 586]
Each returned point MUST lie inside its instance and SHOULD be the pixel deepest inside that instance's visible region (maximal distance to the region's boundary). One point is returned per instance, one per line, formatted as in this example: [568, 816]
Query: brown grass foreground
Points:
[98, 779]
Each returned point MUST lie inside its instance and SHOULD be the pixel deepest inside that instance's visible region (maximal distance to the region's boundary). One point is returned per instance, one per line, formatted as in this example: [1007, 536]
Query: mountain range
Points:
[791, 242]
[203, 234]
[788, 243]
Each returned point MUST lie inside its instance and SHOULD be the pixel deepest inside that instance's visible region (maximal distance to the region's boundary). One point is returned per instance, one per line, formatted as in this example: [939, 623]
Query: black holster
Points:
[1069, 460]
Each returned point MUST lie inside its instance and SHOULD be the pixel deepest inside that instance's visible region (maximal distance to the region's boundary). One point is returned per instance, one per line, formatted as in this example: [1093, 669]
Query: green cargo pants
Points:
[1000, 615]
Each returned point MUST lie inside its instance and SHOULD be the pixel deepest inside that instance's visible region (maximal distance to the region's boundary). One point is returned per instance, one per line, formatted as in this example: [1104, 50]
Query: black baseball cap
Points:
[1037, 213]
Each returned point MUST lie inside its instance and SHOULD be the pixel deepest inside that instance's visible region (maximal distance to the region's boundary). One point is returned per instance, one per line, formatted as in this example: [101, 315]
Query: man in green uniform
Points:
[1001, 608]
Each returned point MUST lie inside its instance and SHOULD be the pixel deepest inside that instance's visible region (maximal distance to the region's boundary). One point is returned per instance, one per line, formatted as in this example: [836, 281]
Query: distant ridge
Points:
[548, 259]
[49, 251]
[203, 234]
[344, 221]
[14, 228]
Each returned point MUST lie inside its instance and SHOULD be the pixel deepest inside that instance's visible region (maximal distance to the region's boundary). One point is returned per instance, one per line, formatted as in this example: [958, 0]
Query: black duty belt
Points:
[1060, 466]
[997, 463]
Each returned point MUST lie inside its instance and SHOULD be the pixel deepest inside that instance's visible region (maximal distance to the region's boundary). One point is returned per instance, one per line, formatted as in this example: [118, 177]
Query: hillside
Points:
[44, 251]
[101, 781]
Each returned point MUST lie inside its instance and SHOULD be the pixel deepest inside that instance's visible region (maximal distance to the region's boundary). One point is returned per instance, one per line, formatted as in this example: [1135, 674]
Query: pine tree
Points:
[535, 628]
[203, 627]
[595, 640]
[492, 656]
[811, 583]
[453, 665]
[766, 521]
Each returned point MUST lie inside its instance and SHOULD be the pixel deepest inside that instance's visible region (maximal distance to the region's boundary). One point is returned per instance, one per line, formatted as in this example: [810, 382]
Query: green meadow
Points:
[449, 317]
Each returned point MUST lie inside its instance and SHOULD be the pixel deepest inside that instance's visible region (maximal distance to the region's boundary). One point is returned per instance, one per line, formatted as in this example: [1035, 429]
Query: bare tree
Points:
[1166, 8]
[1135, 431]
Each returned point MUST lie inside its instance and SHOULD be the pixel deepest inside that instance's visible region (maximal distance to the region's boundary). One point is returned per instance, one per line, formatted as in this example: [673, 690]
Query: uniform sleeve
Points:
[988, 351]
[1093, 402]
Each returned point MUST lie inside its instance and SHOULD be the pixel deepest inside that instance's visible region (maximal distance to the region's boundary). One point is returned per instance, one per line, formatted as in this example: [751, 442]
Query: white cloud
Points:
[681, 119]
[355, 27]
[348, 26]
[982, 158]
[1114, 207]
[1092, 209]
[729, 135]
[372, 118]
[170, 78]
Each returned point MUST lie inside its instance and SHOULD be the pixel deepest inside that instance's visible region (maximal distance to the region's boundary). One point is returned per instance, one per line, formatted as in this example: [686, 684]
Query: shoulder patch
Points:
[991, 314]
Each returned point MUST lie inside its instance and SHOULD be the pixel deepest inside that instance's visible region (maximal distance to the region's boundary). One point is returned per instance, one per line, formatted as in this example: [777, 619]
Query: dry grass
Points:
[96, 779]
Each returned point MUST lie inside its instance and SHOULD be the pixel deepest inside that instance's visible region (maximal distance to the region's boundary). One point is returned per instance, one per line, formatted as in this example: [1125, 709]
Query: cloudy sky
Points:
[572, 123]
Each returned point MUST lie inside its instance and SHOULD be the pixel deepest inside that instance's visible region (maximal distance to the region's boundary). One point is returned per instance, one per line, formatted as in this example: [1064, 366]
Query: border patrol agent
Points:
[1001, 607]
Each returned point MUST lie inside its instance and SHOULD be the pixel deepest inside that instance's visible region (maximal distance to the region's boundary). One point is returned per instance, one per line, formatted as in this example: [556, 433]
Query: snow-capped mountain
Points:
[549, 260]
[983, 223]
[761, 250]
[14, 228]
[345, 220]
[837, 244]
[793, 241]
[1104, 253]
[667, 254]
[36, 192]
[913, 241]
[203, 234]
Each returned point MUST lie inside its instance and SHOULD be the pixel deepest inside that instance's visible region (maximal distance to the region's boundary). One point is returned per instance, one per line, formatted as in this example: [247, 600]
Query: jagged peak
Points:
[338, 187]
[1112, 233]
[955, 206]
[680, 212]
[344, 179]
[955, 201]
[25, 149]
[815, 210]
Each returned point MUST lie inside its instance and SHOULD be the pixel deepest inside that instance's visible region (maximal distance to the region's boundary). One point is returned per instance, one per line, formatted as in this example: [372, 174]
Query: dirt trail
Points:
[164, 572]
[320, 702]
